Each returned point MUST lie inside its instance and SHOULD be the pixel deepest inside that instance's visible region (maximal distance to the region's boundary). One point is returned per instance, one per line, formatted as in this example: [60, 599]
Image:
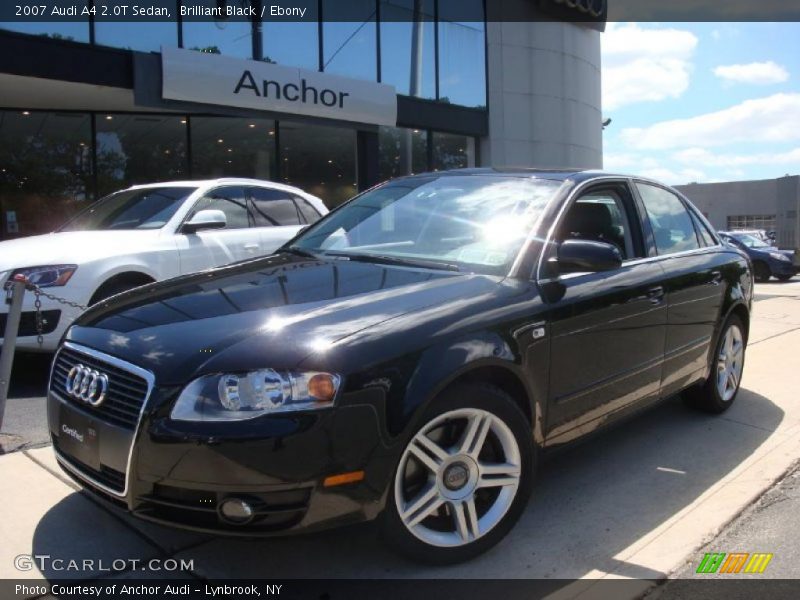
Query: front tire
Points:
[719, 391]
[463, 478]
[112, 288]
[784, 277]
[762, 272]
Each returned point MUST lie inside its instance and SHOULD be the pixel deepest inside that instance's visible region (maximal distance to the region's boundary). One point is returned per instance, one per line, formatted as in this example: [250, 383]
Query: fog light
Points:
[236, 510]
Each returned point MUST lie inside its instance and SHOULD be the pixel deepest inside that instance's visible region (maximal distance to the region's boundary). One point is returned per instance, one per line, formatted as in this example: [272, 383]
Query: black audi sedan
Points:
[408, 358]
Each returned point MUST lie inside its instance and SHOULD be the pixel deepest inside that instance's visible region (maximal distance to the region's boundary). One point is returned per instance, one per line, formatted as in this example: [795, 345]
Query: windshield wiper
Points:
[396, 261]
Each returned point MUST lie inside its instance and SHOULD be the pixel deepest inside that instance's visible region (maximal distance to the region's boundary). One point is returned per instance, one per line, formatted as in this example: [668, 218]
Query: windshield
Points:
[751, 241]
[475, 223]
[148, 208]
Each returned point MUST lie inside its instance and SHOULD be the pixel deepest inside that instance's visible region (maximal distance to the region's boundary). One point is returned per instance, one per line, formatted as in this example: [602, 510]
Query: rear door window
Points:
[310, 214]
[672, 225]
[274, 208]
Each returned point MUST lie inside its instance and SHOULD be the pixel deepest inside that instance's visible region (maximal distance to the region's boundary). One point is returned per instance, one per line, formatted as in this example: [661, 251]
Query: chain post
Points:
[17, 289]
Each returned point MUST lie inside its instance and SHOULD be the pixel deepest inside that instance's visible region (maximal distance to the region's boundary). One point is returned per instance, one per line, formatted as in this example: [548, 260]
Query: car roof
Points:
[219, 181]
[577, 175]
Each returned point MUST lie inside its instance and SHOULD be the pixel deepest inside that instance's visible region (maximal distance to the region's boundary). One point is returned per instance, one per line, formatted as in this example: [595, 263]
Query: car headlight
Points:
[240, 396]
[47, 276]
[781, 257]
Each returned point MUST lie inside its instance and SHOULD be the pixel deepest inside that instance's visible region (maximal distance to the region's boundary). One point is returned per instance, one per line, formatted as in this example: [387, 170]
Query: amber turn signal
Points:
[322, 387]
[343, 478]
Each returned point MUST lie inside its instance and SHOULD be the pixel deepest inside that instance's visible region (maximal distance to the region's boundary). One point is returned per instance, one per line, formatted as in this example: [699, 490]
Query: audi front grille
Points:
[126, 391]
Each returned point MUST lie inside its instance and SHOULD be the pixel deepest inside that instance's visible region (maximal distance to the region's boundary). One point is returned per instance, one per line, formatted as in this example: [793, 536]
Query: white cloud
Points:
[756, 73]
[649, 166]
[676, 176]
[628, 162]
[645, 65]
[701, 156]
[770, 119]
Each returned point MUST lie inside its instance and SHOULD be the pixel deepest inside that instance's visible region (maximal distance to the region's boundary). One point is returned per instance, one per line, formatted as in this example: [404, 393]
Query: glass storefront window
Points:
[136, 35]
[402, 151]
[219, 36]
[320, 160]
[293, 43]
[349, 38]
[452, 151]
[139, 148]
[462, 55]
[45, 170]
[408, 60]
[232, 147]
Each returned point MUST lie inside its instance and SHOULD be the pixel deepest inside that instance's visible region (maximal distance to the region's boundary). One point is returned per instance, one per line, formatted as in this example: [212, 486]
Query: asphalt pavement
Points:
[642, 500]
[769, 526]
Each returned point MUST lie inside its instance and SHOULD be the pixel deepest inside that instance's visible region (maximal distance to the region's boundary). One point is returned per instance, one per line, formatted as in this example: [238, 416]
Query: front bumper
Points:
[178, 473]
[780, 267]
[56, 317]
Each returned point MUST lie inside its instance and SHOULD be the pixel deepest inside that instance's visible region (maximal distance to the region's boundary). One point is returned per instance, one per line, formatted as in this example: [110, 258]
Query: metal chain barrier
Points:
[39, 321]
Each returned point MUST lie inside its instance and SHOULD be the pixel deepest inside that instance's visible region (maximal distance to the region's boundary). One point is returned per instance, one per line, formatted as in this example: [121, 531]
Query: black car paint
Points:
[400, 336]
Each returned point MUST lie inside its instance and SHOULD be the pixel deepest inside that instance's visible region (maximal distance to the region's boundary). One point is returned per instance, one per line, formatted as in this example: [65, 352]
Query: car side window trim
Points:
[693, 215]
[304, 203]
[700, 221]
[272, 222]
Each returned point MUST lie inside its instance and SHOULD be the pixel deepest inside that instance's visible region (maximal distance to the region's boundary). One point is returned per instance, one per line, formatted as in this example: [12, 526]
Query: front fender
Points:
[440, 366]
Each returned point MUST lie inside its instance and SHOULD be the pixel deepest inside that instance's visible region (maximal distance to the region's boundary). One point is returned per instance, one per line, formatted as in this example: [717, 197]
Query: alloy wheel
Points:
[730, 363]
[457, 477]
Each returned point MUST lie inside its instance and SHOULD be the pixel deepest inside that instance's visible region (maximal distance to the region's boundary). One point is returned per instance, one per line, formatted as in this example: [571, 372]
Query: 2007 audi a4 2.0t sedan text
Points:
[408, 358]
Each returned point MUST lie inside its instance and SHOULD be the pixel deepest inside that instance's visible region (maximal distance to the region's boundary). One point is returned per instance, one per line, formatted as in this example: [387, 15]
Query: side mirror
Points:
[585, 255]
[205, 219]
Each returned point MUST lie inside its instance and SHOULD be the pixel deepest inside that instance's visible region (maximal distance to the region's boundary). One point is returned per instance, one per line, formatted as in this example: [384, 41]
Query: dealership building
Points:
[361, 91]
[768, 204]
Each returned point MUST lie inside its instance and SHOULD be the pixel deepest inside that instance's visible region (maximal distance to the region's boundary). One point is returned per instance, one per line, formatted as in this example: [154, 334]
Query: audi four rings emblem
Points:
[87, 385]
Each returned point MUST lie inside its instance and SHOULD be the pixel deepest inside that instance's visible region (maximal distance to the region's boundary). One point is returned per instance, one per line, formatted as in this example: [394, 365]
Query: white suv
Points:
[147, 233]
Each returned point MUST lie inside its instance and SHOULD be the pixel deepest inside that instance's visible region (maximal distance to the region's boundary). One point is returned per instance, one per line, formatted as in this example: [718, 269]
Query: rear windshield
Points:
[148, 208]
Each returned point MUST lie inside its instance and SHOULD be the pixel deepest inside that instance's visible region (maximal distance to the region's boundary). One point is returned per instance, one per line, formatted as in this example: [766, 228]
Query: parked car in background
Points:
[768, 237]
[144, 234]
[768, 261]
[408, 357]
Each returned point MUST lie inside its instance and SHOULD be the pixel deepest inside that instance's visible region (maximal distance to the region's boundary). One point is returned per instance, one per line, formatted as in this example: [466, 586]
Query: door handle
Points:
[251, 247]
[716, 277]
[656, 294]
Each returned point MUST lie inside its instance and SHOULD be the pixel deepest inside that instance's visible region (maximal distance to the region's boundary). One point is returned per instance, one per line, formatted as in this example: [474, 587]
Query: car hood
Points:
[272, 312]
[70, 247]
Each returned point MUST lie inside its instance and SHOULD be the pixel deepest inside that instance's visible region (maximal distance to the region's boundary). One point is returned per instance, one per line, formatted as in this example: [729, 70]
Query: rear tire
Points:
[784, 277]
[463, 479]
[762, 272]
[718, 392]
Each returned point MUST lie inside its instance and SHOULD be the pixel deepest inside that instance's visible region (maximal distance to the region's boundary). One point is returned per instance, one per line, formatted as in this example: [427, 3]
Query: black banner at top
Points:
[587, 11]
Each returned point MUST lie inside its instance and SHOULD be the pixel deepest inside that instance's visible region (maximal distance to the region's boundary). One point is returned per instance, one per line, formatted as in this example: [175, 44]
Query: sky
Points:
[702, 102]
